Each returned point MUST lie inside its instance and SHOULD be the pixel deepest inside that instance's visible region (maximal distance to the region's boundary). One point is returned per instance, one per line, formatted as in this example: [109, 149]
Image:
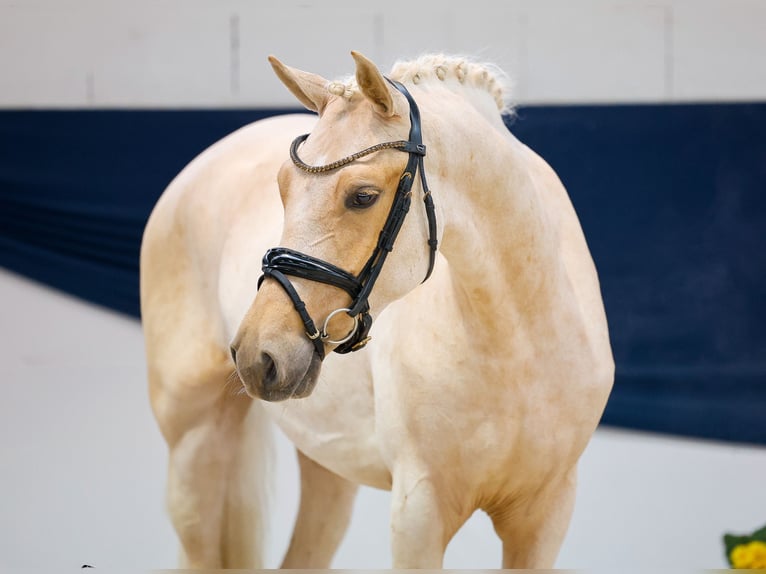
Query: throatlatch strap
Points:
[416, 140]
[433, 242]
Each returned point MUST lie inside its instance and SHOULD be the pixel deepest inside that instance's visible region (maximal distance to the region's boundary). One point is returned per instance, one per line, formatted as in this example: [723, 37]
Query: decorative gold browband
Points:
[401, 144]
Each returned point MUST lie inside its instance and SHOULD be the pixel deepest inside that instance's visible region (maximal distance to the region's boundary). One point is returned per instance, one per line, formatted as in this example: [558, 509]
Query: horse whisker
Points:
[233, 385]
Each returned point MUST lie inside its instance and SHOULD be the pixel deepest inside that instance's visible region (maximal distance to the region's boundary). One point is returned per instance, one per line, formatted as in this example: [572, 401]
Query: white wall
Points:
[83, 53]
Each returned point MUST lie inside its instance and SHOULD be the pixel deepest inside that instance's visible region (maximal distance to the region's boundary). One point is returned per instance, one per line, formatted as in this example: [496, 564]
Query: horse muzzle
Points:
[276, 372]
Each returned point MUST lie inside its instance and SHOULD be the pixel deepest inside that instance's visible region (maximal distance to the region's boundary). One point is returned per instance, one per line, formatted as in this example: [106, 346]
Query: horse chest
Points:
[336, 425]
[423, 387]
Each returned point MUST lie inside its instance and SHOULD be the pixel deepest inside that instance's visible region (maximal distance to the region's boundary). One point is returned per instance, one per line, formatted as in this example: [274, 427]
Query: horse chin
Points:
[306, 386]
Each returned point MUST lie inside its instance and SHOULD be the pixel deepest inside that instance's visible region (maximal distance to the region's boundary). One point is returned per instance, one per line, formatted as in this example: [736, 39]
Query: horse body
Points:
[481, 386]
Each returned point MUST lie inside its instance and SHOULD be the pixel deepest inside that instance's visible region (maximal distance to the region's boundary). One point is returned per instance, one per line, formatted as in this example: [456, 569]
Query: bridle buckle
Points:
[361, 343]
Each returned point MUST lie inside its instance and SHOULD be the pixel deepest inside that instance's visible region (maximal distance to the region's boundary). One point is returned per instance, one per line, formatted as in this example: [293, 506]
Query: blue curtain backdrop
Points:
[672, 199]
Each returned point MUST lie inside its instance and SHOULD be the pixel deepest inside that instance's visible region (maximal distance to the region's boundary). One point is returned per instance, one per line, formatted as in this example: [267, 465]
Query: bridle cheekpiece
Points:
[281, 262]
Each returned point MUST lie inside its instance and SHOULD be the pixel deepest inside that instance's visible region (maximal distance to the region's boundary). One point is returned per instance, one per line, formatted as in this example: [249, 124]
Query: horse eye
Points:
[361, 199]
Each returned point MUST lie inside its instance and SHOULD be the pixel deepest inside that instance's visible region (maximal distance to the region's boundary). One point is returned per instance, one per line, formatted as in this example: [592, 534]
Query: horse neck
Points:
[498, 241]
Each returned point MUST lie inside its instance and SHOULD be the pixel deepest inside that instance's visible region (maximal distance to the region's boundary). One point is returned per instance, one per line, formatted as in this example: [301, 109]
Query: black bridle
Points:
[280, 262]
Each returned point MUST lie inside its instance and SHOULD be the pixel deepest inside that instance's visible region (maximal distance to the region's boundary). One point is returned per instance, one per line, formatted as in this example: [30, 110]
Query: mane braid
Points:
[485, 76]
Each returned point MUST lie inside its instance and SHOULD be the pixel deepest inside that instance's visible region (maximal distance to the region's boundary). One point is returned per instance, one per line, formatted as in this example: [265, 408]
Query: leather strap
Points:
[311, 331]
[416, 140]
[298, 264]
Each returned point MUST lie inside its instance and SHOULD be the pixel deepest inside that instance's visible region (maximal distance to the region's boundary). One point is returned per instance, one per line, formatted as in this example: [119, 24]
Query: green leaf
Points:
[759, 534]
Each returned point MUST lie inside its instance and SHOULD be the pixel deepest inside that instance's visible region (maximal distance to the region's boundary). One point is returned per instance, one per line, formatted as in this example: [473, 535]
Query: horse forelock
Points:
[440, 67]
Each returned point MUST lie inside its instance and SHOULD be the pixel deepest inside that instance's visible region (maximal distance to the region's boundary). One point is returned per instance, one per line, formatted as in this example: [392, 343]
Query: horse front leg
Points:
[423, 520]
[327, 501]
[213, 475]
[532, 533]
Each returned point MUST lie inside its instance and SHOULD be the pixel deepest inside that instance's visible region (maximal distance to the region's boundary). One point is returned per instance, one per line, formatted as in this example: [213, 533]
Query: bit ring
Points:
[326, 338]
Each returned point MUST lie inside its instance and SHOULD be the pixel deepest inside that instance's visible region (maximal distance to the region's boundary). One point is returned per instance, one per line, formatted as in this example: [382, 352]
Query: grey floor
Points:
[82, 467]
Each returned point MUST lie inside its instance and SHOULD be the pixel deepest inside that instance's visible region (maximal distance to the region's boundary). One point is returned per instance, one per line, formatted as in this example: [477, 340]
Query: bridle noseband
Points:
[280, 262]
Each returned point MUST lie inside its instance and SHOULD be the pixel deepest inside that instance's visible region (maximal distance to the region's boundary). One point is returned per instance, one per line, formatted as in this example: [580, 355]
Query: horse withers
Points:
[476, 388]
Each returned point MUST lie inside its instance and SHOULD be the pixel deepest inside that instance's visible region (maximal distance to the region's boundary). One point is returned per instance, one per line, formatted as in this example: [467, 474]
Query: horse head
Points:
[345, 192]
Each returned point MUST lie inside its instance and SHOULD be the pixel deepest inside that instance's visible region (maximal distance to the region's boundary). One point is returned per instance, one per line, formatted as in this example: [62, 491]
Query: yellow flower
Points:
[751, 555]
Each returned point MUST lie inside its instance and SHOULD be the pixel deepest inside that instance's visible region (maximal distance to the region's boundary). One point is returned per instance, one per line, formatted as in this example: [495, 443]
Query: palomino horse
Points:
[480, 387]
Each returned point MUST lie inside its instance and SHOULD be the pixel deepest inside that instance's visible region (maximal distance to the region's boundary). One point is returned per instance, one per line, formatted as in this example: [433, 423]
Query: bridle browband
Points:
[280, 262]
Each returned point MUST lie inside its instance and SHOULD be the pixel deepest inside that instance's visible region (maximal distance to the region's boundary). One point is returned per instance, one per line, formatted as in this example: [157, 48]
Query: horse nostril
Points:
[233, 354]
[269, 370]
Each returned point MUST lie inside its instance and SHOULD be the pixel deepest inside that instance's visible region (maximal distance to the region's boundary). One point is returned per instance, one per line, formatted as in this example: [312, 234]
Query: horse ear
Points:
[310, 89]
[373, 85]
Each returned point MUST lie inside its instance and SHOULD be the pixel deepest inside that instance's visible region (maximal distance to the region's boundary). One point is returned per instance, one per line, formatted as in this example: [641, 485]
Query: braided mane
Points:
[441, 67]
